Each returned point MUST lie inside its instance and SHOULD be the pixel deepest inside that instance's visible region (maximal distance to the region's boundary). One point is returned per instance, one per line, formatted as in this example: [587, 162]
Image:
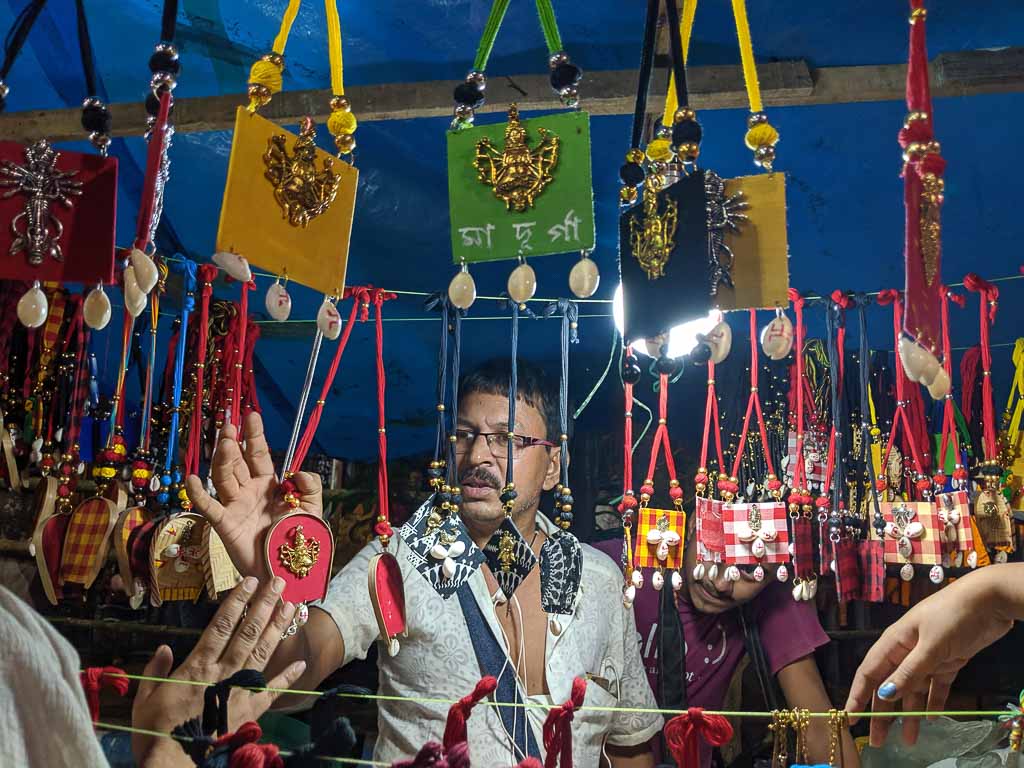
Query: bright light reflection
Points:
[682, 339]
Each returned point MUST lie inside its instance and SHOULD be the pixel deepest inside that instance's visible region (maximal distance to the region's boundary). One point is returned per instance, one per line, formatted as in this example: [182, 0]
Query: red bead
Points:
[139, 464]
[676, 492]
[822, 501]
[924, 484]
[648, 489]
[700, 478]
[67, 470]
[629, 501]
[774, 485]
[287, 486]
[63, 490]
[382, 529]
[880, 485]
[939, 479]
[139, 482]
[960, 474]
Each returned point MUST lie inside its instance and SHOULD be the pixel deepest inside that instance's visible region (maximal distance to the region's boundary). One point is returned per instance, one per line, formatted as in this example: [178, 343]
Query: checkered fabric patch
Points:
[710, 532]
[803, 548]
[663, 521]
[814, 457]
[740, 522]
[926, 549]
[872, 571]
[87, 541]
[958, 502]
[848, 570]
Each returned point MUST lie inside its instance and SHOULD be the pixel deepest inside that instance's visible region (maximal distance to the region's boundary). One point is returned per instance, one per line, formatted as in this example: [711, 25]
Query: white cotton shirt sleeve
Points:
[632, 728]
[44, 718]
[348, 603]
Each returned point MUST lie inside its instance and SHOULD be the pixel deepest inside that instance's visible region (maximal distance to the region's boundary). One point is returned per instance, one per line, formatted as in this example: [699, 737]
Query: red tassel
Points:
[887, 297]
[94, 678]
[557, 727]
[683, 734]
[455, 727]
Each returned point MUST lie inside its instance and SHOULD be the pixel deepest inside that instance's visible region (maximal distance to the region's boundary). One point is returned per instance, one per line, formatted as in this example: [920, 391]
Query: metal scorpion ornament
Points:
[724, 213]
[37, 231]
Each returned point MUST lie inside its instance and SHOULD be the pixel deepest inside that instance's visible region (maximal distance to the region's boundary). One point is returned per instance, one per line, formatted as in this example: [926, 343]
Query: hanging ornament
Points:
[777, 336]
[522, 283]
[146, 273]
[134, 298]
[278, 302]
[33, 307]
[719, 339]
[328, 321]
[462, 289]
[96, 309]
[584, 277]
[236, 265]
[919, 364]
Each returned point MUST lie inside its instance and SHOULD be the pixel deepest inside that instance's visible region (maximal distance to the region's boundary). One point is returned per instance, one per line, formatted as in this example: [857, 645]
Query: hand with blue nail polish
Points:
[916, 660]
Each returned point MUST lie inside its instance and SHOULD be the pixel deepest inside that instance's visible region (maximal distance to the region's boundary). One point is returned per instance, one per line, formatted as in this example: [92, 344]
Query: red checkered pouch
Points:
[663, 529]
[912, 533]
[815, 456]
[954, 514]
[710, 530]
[747, 524]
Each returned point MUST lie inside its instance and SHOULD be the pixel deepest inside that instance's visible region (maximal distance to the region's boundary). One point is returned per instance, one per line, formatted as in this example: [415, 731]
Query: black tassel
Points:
[215, 700]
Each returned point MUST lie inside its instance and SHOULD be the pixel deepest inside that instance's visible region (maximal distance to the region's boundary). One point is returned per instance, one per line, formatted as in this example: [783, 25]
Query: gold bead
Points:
[673, 483]
[567, 507]
[628, 195]
[259, 94]
[345, 143]
[635, 156]
[688, 151]
[340, 104]
[274, 58]
[683, 114]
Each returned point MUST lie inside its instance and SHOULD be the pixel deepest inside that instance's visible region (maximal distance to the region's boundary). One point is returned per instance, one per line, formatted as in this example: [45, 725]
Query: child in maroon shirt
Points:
[789, 633]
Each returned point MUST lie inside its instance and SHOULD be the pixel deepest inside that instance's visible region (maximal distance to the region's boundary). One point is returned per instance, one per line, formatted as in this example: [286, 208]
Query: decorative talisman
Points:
[520, 188]
[709, 530]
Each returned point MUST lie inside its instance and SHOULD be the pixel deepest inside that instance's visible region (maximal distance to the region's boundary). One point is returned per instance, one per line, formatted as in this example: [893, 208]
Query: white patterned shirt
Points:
[437, 661]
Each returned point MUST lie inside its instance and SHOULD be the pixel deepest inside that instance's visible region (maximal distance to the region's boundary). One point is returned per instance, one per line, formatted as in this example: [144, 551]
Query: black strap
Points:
[835, 318]
[755, 652]
[647, 64]
[495, 662]
[85, 49]
[671, 653]
[169, 21]
[18, 33]
[862, 301]
[215, 698]
[675, 43]
[440, 302]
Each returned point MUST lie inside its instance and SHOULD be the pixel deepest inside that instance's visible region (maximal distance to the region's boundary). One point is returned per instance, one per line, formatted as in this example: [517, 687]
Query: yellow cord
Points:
[1017, 390]
[265, 76]
[739, 12]
[334, 46]
[341, 123]
[286, 26]
[685, 32]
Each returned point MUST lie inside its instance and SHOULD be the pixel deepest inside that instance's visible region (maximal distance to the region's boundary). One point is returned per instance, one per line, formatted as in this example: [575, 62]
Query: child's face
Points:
[720, 595]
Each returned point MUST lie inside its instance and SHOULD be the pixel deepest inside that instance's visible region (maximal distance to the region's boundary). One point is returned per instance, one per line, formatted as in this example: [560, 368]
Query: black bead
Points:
[165, 61]
[631, 174]
[567, 500]
[565, 75]
[700, 354]
[508, 496]
[435, 472]
[456, 499]
[96, 119]
[631, 372]
[442, 497]
[470, 94]
[566, 517]
[667, 365]
[686, 132]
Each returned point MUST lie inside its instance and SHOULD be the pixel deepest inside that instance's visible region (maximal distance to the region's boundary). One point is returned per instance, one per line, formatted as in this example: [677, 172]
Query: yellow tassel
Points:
[659, 150]
[341, 122]
[761, 135]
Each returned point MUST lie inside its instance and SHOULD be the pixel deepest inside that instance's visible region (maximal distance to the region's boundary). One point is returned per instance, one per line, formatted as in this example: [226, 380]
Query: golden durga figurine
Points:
[301, 556]
[302, 191]
[517, 173]
[506, 551]
[652, 234]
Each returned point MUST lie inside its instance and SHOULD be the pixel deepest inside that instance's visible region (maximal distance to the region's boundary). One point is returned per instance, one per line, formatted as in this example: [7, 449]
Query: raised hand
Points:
[249, 499]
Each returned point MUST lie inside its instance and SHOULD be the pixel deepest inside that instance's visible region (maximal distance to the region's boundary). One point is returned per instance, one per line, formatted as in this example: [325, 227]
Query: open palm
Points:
[249, 498]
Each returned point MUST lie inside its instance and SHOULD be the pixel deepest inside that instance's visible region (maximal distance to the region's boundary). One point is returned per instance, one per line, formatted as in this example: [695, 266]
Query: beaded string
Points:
[988, 303]
[563, 494]
[508, 493]
[950, 433]
[383, 526]
[206, 274]
[867, 417]
[711, 417]
[630, 375]
[829, 501]
[661, 441]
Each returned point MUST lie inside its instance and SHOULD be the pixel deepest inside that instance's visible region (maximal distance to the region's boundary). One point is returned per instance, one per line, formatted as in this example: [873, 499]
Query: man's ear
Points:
[553, 472]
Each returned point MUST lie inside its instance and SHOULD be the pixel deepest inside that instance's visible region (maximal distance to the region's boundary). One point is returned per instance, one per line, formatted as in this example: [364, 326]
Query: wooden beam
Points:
[783, 83]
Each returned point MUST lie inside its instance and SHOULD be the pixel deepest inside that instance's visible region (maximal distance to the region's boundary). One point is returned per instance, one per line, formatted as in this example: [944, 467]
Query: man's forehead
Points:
[491, 409]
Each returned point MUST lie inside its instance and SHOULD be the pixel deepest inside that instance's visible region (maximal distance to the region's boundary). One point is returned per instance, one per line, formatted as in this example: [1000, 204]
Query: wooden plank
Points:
[784, 83]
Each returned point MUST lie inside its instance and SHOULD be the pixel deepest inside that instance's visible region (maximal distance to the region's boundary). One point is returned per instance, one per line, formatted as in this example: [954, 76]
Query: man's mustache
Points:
[482, 477]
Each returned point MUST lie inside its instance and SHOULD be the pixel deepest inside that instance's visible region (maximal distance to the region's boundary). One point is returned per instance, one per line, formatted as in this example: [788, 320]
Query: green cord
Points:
[549, 25]
[490, 34]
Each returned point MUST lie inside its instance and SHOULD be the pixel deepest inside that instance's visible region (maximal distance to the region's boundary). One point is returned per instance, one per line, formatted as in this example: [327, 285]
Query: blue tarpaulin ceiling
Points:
[844, 193]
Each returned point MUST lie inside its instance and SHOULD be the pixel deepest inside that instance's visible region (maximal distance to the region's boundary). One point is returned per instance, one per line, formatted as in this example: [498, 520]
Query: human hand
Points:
[248, 495]
[917, 659]
[243, 634]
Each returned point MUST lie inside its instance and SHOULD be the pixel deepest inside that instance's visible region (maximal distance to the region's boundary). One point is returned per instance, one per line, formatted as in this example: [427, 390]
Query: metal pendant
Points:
[723, 214]
[652, 235]
[517, 173]
[301, 189]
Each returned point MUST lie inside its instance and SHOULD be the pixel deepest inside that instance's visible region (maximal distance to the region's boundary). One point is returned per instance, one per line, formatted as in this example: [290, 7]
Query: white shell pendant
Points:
[759, 574]
[522, 283]
[448, 568]
[798, 590]
[146, 272]
[638, 579]
[936, 574]
[782, 574]
[628, 596]
[657, 580]
[235, 265]
[170, 552]
[328, 320]
[698, 572]
[457, 549]
[462, 289]
[584, 278]
[907, 572]
[134, 298]
[720, 341]
[812, 589]
[941, 385]
[915, 529]
[33, 307]
[662, 552]
[394, 647]
[438, 552]
[732, 573]
[653, 536]
[96, 308]
[713, 571]
[1000, 557]
[757, 548]
[906, 549]
[777, 336]
[302, 614]
[972, 559]
[278, 302]
[677, 581]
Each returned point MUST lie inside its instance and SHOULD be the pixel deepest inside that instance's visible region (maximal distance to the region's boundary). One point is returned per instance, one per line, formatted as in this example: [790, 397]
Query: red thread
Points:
[378, 297]
[683, 734]
[154, 163]
[886, 297]
[94, 678]
[711, 417]
[753, 405]
[661, 440]
[458, 714]
[988, 296]
[243, 324]
[558, 730]
[207, 273]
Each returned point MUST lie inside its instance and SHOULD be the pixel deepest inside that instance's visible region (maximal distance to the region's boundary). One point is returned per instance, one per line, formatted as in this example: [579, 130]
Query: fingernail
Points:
[887, 691]
[278, 585]
[288, 610]
[250, 584]
[298, 668]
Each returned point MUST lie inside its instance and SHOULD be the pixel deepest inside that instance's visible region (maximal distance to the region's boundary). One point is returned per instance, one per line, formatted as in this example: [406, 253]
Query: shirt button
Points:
[556, 626]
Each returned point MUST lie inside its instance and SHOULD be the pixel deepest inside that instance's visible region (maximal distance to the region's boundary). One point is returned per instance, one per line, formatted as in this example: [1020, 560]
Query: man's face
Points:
[482, 473]
[720, 595]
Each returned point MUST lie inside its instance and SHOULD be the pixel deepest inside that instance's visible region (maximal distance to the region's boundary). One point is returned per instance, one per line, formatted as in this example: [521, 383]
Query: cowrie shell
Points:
[732, 573]
[457, 549]
[235, 265]
[907, 572]
[713, 571]
[698, 571]
[638, 579]
[328, 321]
[146, 273]
[677, 581]
[630, 594]
[171, 551]
[654, 536]
[180, 566]
[657, 580]
[439, 552]
[972, 559]
[915, 529]
[936, 574]
[394, 647]
[662, 551]
[278, 302]
[672, 538]
[757, 548]
[448, 567]
[782, 574]
[759, 574]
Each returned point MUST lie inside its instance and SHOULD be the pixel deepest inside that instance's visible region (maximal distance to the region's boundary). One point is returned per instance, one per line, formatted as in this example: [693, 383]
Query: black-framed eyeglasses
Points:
[497, 442]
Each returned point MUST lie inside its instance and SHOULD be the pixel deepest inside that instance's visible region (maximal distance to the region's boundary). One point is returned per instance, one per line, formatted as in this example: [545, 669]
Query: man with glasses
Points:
[452, 643]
